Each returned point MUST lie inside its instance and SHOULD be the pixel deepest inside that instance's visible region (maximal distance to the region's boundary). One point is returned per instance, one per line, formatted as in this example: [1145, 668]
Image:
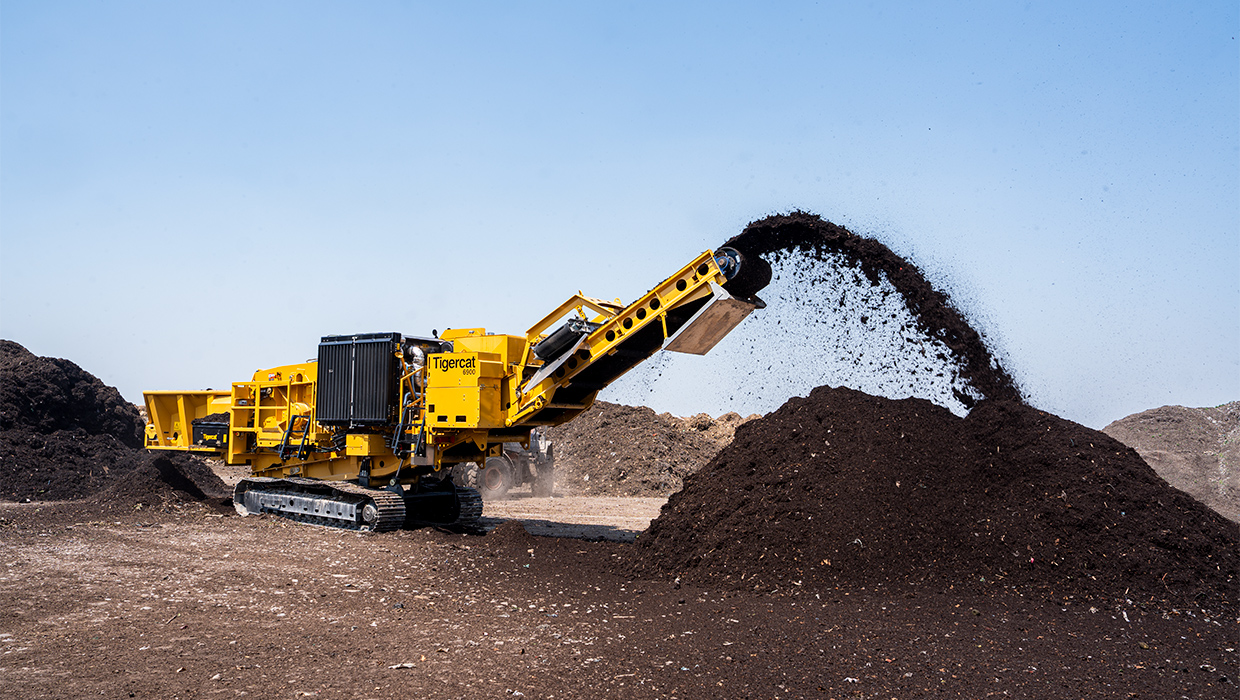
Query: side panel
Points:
[171, 415]
[463, 390]
[711, 323]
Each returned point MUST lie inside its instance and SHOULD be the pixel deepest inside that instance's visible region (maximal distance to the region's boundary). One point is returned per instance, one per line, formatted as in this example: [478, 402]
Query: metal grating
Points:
[357, 379]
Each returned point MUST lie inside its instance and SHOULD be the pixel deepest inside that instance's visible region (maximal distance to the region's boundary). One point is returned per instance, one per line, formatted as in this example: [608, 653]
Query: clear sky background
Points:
[191, 191]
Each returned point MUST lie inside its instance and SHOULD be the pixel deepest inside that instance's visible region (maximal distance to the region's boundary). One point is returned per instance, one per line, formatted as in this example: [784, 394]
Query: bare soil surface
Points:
[189, 604]
[1197, 450]
[584, 517]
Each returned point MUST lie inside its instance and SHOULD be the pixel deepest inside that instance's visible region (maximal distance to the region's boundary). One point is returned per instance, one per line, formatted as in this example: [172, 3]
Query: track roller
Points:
[337, 504]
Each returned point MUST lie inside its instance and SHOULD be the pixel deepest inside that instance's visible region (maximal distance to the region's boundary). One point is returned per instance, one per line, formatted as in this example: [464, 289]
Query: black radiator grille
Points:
[357, 379]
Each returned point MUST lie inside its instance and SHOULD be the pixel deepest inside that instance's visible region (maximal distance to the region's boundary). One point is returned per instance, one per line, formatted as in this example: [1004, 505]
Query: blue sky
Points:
[190, 191]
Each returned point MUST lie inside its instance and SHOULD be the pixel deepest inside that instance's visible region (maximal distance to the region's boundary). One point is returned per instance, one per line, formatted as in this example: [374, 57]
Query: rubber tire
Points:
[495, 479]
[465, 475]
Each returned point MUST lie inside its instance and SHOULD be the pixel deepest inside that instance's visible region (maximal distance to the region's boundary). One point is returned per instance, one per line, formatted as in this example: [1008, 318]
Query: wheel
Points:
[465, 475]
[495, 479]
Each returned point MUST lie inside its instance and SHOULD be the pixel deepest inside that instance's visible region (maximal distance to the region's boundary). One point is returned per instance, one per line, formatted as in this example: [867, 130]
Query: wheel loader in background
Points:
[515, 466]
[367, 436]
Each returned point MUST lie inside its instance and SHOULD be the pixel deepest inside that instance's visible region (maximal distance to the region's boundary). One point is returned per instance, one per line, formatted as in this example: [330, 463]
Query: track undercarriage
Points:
[348, 506]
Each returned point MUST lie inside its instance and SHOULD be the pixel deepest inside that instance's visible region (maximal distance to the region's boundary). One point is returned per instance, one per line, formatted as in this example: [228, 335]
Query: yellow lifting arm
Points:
[689, 306]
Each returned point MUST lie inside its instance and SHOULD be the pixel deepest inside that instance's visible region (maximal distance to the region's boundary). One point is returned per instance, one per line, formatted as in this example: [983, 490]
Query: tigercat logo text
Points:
[444, 364]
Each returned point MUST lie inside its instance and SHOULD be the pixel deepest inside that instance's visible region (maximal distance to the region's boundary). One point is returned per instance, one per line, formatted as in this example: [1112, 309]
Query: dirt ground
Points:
[191, 604]
[585, 517]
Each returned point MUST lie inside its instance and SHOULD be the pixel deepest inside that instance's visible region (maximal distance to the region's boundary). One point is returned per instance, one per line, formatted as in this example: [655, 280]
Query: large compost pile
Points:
[841, 488]
[65, 435]
[1196, 450]
[845, 489]
[616, 450]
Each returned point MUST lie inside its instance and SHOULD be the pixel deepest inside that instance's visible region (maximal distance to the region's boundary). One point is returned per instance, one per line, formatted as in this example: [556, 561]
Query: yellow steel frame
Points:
[171, 416]
[618, 323]
[280, 402]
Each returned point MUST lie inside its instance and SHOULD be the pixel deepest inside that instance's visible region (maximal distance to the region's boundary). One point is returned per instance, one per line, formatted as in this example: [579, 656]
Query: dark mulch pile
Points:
[169, 475]
[843, 488]
[65, 435]
[617, 450]
[809, 235]
[47, 395]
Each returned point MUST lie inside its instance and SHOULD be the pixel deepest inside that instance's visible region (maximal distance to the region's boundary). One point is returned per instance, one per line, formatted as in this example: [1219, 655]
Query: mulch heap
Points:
[65, 435]
[844, 489]
[810, 237]
[617, 450]
[1196, 450]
